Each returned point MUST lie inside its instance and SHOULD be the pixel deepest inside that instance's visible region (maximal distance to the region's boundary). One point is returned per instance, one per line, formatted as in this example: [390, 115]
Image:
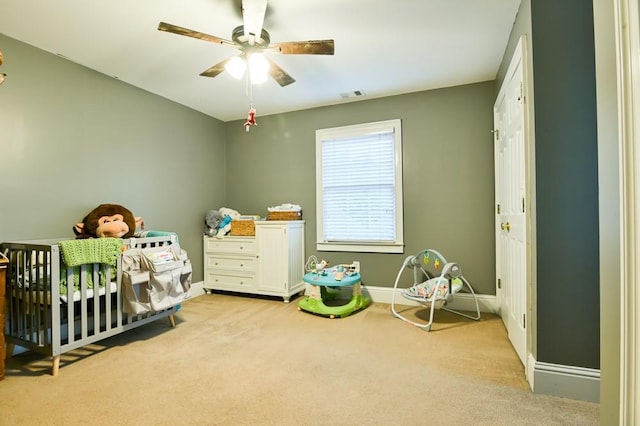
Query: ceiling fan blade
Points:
[311, 47]
[190, 33]
[253, 12]
[216, 69]
[279, 75]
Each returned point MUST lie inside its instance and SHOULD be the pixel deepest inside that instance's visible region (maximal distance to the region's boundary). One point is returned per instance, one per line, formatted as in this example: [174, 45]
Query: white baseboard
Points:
[460, 302]
[197, 289]
[565, 381]
[531, 364]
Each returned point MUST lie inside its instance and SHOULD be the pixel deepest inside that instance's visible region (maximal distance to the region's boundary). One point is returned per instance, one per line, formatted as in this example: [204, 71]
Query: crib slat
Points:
[71, 314]
[36, 269]
[84, 274]
[53, 289]
[46, 295]
[96, 299]
[119, 292]
[107, 301]
[31, 330]
[22, 305]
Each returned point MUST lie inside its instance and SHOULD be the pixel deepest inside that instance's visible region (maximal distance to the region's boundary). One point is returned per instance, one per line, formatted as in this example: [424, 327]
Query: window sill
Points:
[361, 248]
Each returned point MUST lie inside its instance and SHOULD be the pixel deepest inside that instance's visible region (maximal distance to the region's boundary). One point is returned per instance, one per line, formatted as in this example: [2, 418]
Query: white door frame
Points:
[627, 28]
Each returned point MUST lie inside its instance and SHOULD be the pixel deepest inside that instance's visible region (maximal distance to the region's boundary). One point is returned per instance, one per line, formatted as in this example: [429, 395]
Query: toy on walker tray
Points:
[324, 281]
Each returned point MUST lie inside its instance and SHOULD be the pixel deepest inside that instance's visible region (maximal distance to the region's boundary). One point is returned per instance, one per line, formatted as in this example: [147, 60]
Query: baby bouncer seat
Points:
[443, 280]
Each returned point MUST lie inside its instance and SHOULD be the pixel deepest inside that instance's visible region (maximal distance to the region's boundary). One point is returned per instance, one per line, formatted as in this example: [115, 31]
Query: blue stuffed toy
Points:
[225, 226]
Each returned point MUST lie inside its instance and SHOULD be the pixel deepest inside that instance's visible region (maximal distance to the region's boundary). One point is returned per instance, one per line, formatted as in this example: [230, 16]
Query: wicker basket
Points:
[243, 228]
[284, 216]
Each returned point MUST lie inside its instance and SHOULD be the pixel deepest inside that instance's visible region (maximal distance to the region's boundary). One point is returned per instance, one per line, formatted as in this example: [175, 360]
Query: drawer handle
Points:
[242, 265]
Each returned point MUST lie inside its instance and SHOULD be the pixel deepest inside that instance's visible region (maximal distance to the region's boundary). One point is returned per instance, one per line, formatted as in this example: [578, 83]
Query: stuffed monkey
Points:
[108, 220]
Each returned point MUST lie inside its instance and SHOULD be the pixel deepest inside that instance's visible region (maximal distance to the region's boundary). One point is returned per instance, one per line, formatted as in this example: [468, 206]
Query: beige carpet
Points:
[237, 360]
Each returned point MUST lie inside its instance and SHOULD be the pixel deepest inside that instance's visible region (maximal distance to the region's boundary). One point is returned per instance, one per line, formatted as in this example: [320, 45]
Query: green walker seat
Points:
[323, 289]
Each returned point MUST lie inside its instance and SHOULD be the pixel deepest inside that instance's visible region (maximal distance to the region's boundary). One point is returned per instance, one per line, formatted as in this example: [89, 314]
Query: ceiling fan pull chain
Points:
[247, 86]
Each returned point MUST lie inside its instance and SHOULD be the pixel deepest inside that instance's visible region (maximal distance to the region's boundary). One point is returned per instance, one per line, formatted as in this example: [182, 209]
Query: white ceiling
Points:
[382, 48]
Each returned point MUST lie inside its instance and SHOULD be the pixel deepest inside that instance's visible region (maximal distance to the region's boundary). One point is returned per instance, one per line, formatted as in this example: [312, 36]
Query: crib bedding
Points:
[32, 273]
[37, 293]
[38, 274]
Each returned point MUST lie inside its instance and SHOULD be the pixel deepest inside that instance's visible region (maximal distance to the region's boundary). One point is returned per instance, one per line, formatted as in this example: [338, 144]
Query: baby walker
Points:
[324, 287]
[444, 279]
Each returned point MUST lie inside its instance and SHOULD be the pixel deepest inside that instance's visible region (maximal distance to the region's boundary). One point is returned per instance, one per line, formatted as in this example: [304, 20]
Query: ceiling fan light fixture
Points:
[236, 67]
[250, 39]
[258, 68]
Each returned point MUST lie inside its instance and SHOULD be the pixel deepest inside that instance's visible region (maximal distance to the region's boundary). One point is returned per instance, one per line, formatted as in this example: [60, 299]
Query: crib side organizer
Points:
[51, 309]
[154, 278]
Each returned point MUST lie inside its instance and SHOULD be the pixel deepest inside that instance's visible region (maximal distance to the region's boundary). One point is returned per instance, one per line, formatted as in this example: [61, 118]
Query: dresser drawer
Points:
[238, 264]
[230, 282]
[230, 245]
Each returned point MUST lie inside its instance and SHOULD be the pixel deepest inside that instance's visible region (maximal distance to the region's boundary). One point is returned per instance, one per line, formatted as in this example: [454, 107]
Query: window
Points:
[359, 188]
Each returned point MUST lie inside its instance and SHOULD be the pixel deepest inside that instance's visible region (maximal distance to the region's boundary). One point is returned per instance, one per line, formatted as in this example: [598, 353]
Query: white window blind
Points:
[359, 188]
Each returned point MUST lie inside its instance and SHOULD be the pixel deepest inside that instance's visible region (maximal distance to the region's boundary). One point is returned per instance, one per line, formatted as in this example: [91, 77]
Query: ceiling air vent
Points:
[354, 94]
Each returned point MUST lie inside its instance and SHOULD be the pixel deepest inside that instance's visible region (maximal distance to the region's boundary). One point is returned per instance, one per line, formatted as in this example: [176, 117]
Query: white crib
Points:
[52, 315]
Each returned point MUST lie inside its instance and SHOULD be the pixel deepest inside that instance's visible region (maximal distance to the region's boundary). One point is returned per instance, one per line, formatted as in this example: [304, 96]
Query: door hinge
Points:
[499, 283]
[522, 204]
[524, 320]
[496, 134]
[497, 208]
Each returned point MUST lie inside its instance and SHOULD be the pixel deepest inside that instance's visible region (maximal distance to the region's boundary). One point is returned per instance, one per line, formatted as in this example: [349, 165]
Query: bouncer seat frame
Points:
[443, 280]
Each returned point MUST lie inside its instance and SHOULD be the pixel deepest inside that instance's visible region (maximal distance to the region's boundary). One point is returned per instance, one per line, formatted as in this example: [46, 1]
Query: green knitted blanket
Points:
[104, 251]
[91, 250]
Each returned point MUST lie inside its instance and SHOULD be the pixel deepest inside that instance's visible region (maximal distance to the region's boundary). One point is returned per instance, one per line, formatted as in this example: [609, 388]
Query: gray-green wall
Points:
[566, 183]
[447, 175]
[71, 138]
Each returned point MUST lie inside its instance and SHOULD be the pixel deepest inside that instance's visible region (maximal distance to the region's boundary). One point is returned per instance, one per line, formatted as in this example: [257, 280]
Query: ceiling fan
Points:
[251, 38]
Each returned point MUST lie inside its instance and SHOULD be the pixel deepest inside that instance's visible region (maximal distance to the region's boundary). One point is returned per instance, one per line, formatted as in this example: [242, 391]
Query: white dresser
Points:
[271, 263]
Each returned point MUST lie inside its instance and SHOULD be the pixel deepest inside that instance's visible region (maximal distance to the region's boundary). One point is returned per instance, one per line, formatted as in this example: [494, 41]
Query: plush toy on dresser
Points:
[218, 222]
[212, 221]
[108, 221]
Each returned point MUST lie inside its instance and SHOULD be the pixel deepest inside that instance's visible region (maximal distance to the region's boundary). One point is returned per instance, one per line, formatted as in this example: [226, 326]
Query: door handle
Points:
[506, 226]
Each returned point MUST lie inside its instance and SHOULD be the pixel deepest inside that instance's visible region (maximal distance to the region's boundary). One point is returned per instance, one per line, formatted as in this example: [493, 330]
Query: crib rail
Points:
[52, 310]
[29, 312]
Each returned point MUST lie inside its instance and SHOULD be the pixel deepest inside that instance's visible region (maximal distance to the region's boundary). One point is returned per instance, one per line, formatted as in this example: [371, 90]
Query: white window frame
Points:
[354, 131]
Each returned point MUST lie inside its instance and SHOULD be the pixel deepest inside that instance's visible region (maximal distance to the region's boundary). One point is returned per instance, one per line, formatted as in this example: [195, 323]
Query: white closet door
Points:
[511, 201]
